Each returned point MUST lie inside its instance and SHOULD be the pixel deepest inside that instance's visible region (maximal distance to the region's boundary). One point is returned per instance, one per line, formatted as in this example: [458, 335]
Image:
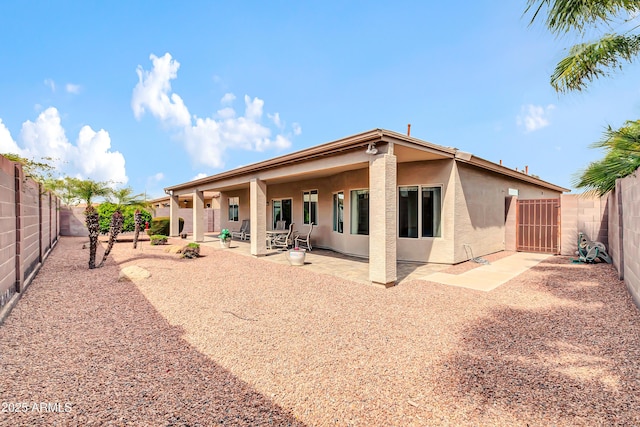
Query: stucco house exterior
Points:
[378, 194]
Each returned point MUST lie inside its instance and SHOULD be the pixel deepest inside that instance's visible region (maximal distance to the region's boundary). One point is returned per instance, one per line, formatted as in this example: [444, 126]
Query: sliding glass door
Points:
[282, 211]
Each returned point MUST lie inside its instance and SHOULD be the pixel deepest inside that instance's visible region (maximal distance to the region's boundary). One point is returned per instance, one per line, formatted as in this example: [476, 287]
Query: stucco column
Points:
[174, 227]
[382, 219]
[510, 223]
[198, 216]
[258, 217]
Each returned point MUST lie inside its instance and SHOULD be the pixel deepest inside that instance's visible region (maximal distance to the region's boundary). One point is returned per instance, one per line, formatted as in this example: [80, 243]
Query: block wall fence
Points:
[29, 228]
[624, 232]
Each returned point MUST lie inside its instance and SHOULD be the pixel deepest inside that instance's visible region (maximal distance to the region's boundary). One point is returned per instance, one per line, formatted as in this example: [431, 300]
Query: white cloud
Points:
[276, 119]
[228, 98]
[158, 177]
[297, 130]
[205, 139]
[51, 84]
[534, 117]
[91, 156]
[152, 93]
[71, 88]
[200, 175]
[7, 144]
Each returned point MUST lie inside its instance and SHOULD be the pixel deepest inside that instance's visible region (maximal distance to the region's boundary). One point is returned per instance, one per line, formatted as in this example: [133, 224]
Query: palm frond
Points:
[588, 61]
[600, 176]
[566, 15]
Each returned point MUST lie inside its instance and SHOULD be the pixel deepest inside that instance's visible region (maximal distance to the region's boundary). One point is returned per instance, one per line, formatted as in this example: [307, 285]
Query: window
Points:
[338, 211]
[234, 203]
[310, 206]
[419, 217]
[360, 212]
[431, 211]
[408, 212]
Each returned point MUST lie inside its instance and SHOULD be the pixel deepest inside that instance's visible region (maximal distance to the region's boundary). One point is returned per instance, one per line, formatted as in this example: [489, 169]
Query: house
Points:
[379, 194]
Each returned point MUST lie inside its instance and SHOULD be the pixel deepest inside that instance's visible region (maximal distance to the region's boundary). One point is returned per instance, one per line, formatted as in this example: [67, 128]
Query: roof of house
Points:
[362, 140]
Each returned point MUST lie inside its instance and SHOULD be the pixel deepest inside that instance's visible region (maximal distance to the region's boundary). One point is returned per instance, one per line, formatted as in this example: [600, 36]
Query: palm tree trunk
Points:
[93, 225]
[138, 220]
[115, 228]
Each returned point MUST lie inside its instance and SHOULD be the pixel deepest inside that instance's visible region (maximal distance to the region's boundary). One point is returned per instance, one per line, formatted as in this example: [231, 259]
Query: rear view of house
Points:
[379, 194]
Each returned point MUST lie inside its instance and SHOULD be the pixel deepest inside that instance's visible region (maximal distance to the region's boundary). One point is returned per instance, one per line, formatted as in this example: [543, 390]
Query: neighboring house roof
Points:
[362, 140]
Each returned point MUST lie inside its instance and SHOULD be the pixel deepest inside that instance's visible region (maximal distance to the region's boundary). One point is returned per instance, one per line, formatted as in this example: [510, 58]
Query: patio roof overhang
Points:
[343, 155]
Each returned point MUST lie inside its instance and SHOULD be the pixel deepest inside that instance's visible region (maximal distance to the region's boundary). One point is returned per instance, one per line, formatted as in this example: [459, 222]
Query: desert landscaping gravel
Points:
[227, 339]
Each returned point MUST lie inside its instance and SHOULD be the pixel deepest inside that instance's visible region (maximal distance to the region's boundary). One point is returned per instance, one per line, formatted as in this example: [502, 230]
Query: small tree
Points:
[121, 198]
[87, 191]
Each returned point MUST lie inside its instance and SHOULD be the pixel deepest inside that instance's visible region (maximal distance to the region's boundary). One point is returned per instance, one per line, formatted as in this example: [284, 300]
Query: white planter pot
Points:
[225, 243]
[297, 257]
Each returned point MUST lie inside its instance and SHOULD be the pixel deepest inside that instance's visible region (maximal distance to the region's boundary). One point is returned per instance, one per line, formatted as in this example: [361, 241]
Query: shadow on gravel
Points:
[97, 348]
[573, 363]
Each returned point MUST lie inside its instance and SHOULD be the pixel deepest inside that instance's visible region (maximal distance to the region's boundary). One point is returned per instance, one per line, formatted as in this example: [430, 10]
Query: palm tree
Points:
[590, 60]
[87, 190]
[622, 159]
[137, 216]
[121, 198]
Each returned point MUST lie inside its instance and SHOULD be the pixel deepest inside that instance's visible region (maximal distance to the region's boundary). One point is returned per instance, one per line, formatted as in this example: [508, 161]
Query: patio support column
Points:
[258, 217]
[382, 219]
[174, 214]
[198, 216]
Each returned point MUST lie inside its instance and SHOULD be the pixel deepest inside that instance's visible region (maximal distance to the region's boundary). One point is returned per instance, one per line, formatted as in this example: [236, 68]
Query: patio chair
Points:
[281, 225]
[243, 232]
[283, 241]
[302, 241]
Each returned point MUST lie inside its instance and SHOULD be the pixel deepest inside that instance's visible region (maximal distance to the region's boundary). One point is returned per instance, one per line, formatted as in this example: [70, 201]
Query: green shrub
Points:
[158, 240]
[106, 210]
[161, 225]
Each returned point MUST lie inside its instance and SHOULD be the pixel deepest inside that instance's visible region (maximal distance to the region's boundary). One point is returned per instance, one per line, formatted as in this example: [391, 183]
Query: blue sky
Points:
[155, 93]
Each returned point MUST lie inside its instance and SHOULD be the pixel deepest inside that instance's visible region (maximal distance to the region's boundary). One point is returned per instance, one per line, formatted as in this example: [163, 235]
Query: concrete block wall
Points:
[28, 229]
[30, 226]
[630, 200]
[7, 231]
[72, 221]
[582, 213]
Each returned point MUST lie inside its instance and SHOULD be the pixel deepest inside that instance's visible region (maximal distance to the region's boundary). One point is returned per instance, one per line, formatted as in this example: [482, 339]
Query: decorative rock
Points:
[133, 273]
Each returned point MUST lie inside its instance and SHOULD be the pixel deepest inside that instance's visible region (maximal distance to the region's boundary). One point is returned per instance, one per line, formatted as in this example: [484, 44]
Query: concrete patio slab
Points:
[484, 278]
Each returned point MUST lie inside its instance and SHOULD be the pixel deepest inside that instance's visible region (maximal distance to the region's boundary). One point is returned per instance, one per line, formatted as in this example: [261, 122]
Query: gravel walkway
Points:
[232, 340]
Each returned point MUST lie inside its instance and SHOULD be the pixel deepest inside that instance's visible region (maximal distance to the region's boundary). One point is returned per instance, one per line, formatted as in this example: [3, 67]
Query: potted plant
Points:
[225, 238]
[296, 256]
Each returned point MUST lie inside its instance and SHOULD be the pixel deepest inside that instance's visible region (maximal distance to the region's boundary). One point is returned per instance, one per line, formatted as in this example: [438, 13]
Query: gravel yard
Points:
[232, 340]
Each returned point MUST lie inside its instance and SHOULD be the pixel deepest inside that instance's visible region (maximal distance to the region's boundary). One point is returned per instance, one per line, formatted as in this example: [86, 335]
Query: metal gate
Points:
[538, 223]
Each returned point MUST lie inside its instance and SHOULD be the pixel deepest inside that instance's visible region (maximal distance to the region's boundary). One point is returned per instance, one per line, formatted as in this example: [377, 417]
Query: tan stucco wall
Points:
[433, 174]
[480, 209]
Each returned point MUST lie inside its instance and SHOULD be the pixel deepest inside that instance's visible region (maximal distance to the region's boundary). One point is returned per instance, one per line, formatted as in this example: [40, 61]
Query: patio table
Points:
[272, 234]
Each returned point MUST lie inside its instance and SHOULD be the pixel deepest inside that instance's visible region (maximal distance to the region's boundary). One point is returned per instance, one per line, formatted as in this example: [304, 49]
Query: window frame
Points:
[237, 208]
[351, 212]
[334, 210]
[420, 210]
[311, 204]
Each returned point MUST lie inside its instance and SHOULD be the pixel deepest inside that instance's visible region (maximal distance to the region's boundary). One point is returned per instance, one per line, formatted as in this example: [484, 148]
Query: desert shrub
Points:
[161, 225]
[158, 239]
[192, 250]
[106, 210]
